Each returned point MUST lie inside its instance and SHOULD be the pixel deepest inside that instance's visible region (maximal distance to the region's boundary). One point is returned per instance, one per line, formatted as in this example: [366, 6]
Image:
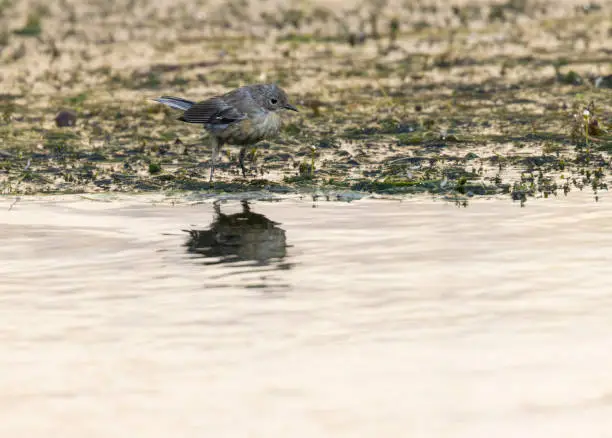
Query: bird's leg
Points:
[241, 160]
[242, 157]
[254, 157]
[216, 144]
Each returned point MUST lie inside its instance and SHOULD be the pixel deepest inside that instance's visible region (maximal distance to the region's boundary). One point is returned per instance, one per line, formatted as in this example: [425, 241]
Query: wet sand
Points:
[482, 97]
[363, 319]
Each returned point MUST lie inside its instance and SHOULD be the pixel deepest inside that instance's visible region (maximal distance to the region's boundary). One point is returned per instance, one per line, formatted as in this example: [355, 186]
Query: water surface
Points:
[328, 319]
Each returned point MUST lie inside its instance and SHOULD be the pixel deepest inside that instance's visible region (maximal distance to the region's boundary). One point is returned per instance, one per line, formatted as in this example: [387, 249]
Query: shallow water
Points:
[364, 319]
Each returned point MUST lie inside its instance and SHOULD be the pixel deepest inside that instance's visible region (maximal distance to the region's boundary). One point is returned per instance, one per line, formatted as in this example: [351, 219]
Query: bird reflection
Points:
[244, 236]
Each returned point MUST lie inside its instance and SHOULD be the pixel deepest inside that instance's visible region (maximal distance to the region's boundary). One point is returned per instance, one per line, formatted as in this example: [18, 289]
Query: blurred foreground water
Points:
[364, 319]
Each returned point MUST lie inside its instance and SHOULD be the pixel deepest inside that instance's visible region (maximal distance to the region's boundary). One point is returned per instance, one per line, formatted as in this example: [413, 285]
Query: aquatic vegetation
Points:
[32, 27]
[154, 168]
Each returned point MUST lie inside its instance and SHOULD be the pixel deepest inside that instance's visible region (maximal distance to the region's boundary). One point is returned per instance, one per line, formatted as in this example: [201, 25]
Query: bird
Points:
[241, 117]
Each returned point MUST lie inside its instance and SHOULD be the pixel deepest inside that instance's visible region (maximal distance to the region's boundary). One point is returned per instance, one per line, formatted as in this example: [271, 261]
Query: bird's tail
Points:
[175, 102]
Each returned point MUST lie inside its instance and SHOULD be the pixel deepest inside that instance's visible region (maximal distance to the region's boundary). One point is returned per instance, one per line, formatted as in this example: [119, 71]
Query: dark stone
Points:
[65, 118]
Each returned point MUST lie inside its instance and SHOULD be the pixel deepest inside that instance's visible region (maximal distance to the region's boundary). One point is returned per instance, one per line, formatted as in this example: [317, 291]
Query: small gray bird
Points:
[241, 117]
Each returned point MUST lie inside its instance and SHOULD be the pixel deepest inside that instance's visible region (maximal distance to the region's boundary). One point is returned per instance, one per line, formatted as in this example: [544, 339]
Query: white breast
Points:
[269, 125]
[251, 130]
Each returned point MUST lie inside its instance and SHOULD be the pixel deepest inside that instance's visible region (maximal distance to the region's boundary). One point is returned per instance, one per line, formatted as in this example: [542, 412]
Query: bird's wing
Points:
[242, 99]
[213, 111]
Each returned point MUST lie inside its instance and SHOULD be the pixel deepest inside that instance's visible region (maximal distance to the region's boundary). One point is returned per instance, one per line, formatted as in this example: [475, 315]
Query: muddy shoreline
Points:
[479, 98]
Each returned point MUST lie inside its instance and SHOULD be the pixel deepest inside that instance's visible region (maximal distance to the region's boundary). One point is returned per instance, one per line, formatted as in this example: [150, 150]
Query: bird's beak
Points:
[291, 107]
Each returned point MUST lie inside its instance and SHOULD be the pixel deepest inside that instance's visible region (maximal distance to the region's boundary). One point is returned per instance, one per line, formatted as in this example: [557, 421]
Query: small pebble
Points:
[65, 118]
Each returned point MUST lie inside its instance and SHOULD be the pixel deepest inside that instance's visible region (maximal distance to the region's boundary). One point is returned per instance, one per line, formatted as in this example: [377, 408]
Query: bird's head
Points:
[271, 97]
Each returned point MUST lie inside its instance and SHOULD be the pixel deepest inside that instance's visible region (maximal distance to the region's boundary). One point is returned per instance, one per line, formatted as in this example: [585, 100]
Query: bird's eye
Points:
[273, 101]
